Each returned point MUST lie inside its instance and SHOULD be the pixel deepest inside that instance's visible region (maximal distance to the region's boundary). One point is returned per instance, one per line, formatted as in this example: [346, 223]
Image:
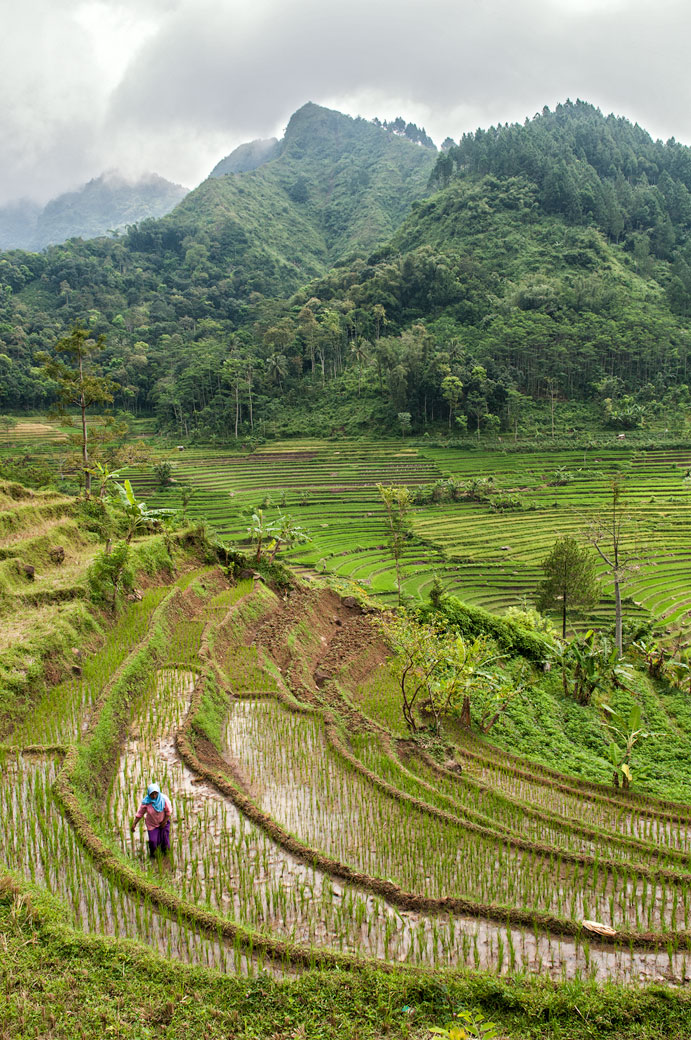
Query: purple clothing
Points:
[159, 838]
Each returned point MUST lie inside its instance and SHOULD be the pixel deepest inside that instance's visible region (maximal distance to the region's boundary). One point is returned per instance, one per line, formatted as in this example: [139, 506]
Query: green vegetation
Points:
[274, 862]
[321, 291]
[569, 579]
[487, 557]
[343, 824]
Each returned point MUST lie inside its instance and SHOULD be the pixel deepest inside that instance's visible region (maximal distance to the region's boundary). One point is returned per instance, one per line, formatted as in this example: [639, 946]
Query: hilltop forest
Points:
[350, 276]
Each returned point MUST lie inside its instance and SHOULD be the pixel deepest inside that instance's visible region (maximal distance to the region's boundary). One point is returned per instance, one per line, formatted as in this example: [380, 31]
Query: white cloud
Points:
[173, 85]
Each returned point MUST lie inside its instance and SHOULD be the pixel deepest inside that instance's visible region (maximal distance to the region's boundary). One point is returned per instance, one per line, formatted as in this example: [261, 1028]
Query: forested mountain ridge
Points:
[107, 203]
[234, 245]
[332, 186]
[595, 170]
[309, 284]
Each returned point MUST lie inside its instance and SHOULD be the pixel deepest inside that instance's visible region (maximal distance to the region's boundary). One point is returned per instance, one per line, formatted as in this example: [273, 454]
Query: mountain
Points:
[107, 203]
[335, 186]
[355, 274]
[247, 157]
[18, 221]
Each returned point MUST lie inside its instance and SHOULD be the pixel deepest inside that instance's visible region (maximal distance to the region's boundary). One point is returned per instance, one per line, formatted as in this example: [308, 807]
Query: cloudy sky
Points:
[173, 85]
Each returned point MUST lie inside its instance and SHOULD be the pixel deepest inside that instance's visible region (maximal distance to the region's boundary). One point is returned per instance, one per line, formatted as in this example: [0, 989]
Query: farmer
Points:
[156, 811]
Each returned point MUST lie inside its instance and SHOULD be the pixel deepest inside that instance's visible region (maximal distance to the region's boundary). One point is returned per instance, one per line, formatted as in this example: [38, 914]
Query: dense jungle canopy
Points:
[351, 274]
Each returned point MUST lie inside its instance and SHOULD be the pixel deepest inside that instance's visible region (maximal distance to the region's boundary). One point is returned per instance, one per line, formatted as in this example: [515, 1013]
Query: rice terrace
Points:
[313, 829]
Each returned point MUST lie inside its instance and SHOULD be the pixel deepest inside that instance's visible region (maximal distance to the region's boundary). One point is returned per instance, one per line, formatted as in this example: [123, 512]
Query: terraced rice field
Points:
[491, 559]
[294, 843]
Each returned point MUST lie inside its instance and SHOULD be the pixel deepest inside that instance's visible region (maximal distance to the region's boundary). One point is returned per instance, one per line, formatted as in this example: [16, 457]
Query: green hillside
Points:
[325, 289]
[336, 186]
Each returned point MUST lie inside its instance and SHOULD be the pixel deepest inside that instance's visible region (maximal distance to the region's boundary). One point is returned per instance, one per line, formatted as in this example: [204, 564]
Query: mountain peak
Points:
[247, 157]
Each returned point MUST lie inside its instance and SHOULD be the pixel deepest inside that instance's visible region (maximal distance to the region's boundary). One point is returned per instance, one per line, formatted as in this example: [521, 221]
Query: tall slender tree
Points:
[78, 383]
[396, 502]
[609, 536]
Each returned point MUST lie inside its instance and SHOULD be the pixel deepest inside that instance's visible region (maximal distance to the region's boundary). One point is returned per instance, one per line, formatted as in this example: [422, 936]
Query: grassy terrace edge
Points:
[121, 987]
[96, 757]
[115, 984]
[337, 697]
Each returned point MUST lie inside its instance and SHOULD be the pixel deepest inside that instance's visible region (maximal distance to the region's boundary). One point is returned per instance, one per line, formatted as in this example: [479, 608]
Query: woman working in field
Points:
[156, 810]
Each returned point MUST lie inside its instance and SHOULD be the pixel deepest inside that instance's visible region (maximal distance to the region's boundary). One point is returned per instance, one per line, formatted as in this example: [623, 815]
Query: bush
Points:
[110, 575]
[163, 472]
[469, 622]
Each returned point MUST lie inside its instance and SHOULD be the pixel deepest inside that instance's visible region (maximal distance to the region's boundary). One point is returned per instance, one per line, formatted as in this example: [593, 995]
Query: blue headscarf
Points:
[154, 797]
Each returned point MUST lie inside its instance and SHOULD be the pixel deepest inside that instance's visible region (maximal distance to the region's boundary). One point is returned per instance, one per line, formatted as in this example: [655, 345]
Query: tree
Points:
[277, 368]
[234, 372]
[270, 535]
[607, 535]
[552, 391]
[452, 391]
[594, 666]
[515, 405]
[259, 531]
[163, 472]
[186, 496]
[78, 384]
[110, 574]
[105, 477]
[137, 514]
[396, 502]
[569, 580]
[446, 675]
[285, 533]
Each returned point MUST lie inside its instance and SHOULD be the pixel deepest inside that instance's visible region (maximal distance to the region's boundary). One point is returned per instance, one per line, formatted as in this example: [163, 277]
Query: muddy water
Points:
[222, 860]
[513, 817]
[37, 842]
[593, 812]
[296, 780]
[314, 793]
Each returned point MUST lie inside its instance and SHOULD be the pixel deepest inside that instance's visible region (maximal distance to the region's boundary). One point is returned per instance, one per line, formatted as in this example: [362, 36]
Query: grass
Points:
[55, 982]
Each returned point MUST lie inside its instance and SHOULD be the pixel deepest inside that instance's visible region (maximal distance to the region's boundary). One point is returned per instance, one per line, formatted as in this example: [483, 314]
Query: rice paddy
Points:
[310, 831]
[489, 556]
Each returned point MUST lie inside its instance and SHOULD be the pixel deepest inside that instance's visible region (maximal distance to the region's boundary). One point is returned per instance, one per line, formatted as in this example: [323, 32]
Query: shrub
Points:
[470, 622]
[110, 575]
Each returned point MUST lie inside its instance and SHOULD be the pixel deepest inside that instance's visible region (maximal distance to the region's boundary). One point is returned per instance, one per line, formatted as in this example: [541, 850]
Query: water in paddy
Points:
[36, 841]
[295, 778]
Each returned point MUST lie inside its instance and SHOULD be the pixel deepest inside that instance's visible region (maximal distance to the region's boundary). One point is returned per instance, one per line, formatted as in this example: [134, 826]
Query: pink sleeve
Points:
[141, 811]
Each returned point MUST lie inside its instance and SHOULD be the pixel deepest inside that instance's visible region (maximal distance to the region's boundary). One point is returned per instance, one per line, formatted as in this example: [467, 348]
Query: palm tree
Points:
[277, 368]
[360, 351]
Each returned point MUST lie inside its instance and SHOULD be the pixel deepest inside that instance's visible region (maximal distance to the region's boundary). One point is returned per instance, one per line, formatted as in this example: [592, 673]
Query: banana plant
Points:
[270, 535]
[260, 531]
[105, 476]
[138, 516]
[286, 533]
[626, 731]
[595, 664]
[679, 672]
[653, 655]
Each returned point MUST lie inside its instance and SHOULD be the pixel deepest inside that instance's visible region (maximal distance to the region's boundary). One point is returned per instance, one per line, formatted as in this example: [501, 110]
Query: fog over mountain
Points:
[175, 85]
[108, 203]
